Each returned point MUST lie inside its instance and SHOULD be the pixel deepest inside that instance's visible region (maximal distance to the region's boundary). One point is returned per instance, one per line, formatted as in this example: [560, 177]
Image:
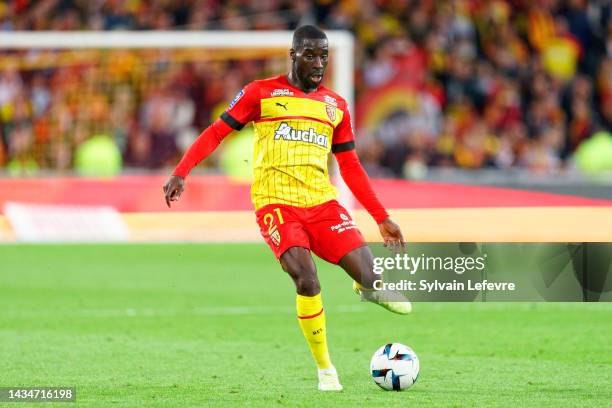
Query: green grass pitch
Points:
[169, 325]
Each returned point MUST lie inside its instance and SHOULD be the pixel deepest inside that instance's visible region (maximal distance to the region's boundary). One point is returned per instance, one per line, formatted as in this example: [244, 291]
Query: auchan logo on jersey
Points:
[286, 132]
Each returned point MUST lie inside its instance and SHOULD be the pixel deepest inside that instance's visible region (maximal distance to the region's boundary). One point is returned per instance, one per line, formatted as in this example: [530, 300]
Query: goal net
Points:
[60, 88]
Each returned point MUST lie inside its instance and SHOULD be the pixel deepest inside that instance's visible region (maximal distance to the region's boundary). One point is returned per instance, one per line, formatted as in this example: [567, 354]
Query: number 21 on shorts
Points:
[269, 221]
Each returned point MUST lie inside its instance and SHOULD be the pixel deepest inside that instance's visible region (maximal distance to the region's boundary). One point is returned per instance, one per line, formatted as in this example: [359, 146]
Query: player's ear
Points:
[292, 54]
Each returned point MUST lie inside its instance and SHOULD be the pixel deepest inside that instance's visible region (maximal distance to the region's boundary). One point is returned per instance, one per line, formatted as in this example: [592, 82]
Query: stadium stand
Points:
[483, 84]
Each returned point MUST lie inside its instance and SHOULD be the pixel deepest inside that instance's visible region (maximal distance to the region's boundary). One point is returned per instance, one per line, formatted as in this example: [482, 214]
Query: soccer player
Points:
[297, 123]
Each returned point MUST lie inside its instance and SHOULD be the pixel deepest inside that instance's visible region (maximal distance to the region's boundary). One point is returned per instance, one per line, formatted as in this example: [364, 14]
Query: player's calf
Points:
[298, 263]
[359, 264]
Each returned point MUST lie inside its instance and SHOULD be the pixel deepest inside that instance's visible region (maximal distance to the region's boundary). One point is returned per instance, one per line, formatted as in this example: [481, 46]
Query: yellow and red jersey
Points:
[294, 134]
[295, 131]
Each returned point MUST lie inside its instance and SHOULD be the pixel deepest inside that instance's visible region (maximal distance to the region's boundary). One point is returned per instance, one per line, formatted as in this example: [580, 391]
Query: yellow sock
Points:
[312, 321]
[358, 286]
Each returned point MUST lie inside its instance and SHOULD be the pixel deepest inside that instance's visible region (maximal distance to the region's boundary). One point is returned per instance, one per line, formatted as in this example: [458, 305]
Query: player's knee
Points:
[305, 279]
[307, 285]
[298, 264]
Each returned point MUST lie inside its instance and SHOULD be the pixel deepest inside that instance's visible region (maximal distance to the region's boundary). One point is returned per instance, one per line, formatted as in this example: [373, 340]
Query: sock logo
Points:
[318, 331]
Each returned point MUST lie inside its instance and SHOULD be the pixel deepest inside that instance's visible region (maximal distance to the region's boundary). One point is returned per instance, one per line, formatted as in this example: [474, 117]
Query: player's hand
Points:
[173, 189]
[391, 234]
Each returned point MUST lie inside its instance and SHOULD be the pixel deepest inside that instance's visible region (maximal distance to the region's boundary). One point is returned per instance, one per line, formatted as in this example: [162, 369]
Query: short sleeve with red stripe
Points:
[344, 137]
[244, 108]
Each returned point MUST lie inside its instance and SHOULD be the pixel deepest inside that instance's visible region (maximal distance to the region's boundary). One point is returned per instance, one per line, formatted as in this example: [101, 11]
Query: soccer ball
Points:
[394, 367]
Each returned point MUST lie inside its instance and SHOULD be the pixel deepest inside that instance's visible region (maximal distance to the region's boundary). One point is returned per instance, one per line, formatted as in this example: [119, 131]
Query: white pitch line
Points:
[357, 307]
[152, 312]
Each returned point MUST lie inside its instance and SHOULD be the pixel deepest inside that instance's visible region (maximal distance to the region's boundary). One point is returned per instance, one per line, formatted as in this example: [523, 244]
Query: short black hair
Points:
[307, 32]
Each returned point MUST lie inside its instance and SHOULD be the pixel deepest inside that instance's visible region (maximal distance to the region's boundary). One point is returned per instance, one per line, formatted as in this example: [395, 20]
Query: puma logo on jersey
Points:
[282, 105]
[286, 132]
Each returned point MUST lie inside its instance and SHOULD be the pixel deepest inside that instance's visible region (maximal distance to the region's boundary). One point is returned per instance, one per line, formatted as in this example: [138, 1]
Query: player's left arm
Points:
[357, 180]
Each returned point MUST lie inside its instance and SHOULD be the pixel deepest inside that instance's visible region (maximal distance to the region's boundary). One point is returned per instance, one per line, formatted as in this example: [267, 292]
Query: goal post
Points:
[341, 45]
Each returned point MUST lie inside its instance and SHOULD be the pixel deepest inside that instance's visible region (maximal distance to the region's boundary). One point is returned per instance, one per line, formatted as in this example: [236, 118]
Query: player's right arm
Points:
[243, 109]
[358, 182]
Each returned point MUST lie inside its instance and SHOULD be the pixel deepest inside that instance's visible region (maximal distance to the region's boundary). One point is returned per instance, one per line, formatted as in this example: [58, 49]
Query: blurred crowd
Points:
[496, 83]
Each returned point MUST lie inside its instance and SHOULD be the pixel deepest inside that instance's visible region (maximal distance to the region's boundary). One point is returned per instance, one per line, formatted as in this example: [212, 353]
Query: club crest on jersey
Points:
[331, 112]
[281, 92]
[286, 132]
[275, 237]
[236, 98]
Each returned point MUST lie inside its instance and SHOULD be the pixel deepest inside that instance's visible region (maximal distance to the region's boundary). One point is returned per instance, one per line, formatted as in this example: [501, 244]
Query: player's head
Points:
[309, 55]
